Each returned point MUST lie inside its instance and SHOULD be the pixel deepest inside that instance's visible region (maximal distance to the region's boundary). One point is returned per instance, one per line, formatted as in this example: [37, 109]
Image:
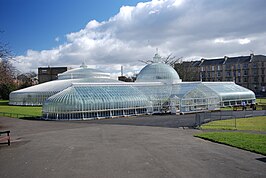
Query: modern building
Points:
[247, 71]
[46, 74]
[88, 94]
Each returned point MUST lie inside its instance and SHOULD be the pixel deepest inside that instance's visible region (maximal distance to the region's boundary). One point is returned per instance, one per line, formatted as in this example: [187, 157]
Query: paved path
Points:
[89, 149]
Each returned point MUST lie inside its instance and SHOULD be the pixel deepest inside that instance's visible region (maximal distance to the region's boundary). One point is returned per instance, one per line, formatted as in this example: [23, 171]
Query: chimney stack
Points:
[122, 71]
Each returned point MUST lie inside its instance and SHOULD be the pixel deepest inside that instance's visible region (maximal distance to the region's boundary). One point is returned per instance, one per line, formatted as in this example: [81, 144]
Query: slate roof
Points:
[196, 63]
[232, 60]
[236, 60]
[257, 58]
[208, 62]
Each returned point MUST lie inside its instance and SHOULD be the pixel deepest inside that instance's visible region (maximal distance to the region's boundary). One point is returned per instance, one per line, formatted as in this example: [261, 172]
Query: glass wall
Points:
[82, 101]
[231, 94]
[91, 100]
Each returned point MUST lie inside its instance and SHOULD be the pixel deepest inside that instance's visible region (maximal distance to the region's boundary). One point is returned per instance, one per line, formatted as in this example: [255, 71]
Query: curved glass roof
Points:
[77, 101]
[37, 94]
[83, 72]
[59, 85]
[158, 72]
[89, 97]
[229, 91]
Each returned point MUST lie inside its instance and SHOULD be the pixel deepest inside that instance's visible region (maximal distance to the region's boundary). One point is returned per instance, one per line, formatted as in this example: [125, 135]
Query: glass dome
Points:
[158, 72]
[83, 72]
[36, 95]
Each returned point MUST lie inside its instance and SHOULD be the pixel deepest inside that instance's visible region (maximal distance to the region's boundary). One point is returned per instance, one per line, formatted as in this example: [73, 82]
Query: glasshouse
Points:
[84, 93]
[37, 94]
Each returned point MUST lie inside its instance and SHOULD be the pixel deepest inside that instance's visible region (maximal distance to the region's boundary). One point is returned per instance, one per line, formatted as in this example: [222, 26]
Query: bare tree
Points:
[170, 60]
[6, 71]
[187, 70]
[26, 79]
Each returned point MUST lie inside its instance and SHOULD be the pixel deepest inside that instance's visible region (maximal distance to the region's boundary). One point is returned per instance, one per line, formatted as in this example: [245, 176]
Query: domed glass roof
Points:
[83, 72]
[158, 72]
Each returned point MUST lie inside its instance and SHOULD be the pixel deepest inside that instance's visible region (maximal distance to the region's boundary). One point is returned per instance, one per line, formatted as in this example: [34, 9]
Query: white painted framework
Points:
[84, 93]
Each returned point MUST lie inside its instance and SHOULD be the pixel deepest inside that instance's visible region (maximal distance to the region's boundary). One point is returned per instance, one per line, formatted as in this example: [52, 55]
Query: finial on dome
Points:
[157, 57]
[83, 65]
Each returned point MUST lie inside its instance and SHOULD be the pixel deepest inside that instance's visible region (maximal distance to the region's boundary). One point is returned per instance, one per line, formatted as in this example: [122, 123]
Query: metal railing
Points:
[205, 117]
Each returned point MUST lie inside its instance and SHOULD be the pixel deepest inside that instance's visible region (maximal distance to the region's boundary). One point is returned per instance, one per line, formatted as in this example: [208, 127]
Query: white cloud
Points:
[244, 41]
[239, 41]
[57, 39]
[188, 28]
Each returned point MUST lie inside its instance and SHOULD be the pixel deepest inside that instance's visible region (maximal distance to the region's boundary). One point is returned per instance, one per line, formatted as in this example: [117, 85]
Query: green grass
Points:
[247, 141]
[22, 110]
[261, 100]
[253, 123]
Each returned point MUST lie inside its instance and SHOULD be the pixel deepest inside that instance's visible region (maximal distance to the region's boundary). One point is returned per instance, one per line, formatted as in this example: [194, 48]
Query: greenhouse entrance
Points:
[174, 105]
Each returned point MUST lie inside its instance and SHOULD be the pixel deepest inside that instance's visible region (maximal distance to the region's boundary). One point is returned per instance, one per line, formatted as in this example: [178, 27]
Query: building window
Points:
[212, 68]
[255, 72]
[219, 67]
[202, 68]
[256, 80]
[239, 73]
[245, 79]
[228, 74]
[238, 66]
[218, 74]
[245, 66]
[239, 79]
[254, 65]
[228, 67]
[262, 79]
[262, 71]
[245, 72]
[209, 75]
[203, 75]
[213, 74]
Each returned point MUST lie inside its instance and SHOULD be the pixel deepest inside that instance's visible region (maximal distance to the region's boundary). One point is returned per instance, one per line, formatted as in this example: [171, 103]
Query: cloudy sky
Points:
[129, 31]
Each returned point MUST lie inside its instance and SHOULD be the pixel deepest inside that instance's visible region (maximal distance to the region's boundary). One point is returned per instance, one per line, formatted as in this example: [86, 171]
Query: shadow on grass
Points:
[3, 103]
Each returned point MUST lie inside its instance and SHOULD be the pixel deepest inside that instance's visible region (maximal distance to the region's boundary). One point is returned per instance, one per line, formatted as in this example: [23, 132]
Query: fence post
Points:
[198, 123]
[235, 122]
[196, 120]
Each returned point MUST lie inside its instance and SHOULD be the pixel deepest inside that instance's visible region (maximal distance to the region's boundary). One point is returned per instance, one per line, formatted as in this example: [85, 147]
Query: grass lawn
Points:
[26, 110]
[253, 123]
[261, 100]
[247, 141]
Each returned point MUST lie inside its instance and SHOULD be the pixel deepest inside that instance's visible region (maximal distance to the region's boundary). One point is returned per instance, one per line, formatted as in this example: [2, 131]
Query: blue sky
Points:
[35, 24]
[108, 34]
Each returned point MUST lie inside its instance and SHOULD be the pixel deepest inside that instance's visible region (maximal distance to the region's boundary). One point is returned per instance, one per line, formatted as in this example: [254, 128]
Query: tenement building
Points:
[247, 71]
